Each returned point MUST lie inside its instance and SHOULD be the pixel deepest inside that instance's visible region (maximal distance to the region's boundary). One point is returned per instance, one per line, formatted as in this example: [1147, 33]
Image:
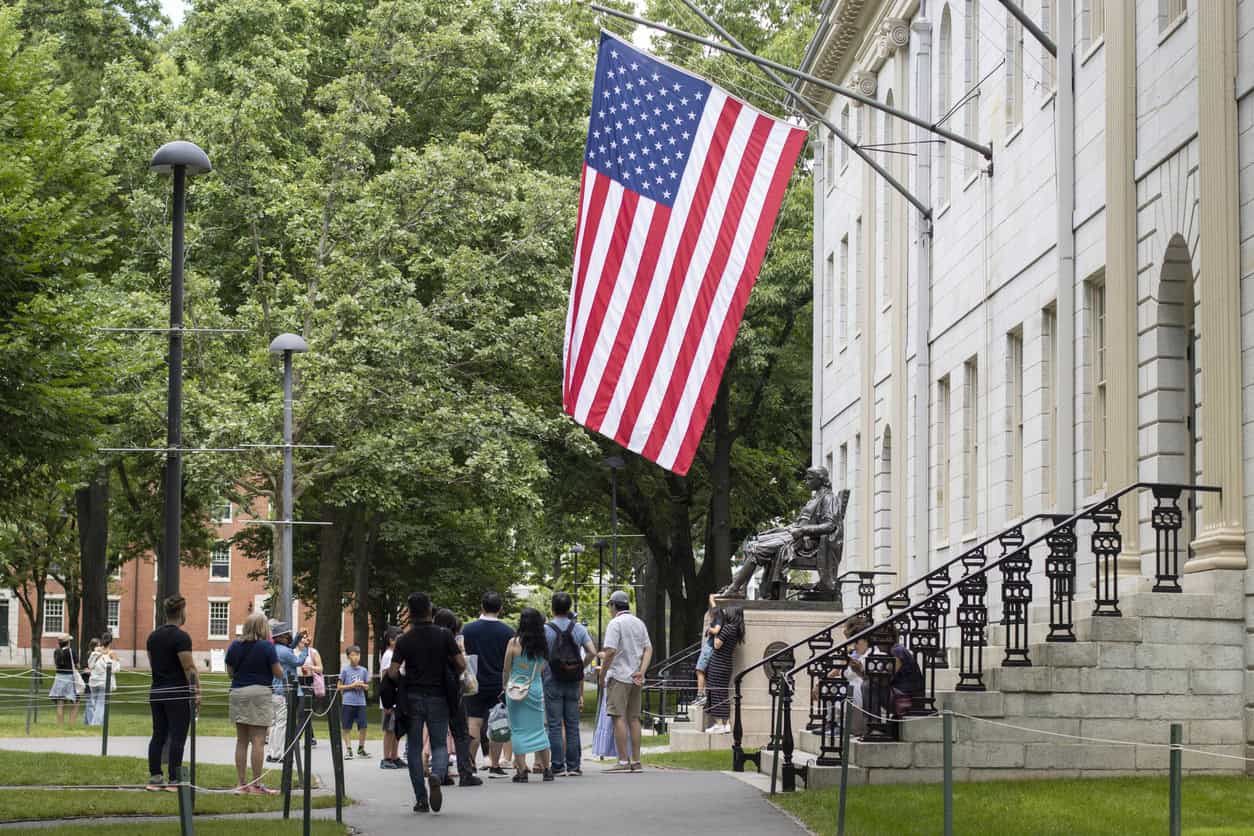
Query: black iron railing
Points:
[825, 638]
[670, 686]
[918, 625]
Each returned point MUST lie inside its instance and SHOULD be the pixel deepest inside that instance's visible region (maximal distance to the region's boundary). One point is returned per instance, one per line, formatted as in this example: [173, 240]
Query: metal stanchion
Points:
[307, 719]
[947, 721]
[30, 702]
[104, 722]
[335, 737]
[288, 734]
[191, 702]
[844, 765]
[1175, 779]
[186, 827]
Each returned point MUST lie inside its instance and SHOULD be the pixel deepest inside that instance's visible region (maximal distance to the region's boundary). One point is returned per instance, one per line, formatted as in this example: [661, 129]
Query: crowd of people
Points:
[512, 693]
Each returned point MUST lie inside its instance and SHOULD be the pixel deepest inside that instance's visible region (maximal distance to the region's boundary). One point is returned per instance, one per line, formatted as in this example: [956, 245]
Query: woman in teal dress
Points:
[525, 658]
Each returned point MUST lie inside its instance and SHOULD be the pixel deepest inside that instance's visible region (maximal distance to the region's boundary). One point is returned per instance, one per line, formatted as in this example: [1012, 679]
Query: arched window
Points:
[944, 97]
[971, 77]
[1014, 73]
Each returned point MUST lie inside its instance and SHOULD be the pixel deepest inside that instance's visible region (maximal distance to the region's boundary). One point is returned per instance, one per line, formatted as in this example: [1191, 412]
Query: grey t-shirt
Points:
[629, 638]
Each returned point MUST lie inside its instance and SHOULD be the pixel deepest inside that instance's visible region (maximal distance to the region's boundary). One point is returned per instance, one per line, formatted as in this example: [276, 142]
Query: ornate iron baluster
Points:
[1016, 597]
[866, 589]
[1167, 519]
[1060, 569]
[972, 619]
[878, 669]
[1107, 544]
[828, 691]
[925, 644]
[936, 581]
[785, 706]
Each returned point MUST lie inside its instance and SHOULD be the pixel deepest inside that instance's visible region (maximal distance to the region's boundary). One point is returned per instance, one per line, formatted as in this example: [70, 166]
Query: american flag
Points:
[681, 185]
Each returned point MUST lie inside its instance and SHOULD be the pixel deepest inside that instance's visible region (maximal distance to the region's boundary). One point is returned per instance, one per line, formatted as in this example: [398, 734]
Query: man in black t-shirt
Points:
[175, 688]
[427, 652]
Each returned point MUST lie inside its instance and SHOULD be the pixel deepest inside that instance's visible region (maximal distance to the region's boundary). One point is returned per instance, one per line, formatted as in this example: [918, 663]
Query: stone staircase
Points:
[1169, 658]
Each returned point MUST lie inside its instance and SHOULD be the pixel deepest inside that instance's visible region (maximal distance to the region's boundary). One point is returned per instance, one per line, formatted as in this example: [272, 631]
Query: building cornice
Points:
[855, 39]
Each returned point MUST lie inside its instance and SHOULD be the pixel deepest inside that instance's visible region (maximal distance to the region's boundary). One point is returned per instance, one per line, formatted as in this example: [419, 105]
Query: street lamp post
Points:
[180, 158]
[614, 463]
[287, 345]
[600, 547]
[577, 550]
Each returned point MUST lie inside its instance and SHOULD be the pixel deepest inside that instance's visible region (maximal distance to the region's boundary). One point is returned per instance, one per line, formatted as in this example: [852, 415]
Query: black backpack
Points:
[567, 662]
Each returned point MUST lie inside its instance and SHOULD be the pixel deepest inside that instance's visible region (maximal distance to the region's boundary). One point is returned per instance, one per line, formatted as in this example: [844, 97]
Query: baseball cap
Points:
[619, 597]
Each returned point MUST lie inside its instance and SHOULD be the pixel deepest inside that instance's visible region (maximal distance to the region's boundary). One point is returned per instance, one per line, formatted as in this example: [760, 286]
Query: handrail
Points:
[737, 728]
[1166, 519]
[983, 570]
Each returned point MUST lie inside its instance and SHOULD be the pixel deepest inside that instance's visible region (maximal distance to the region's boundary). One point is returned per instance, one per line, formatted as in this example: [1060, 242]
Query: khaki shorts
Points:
[252, 705]
[622, 699]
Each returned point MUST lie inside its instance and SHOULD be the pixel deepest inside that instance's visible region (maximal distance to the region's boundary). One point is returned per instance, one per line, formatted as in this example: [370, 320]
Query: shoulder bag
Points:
[517, 689]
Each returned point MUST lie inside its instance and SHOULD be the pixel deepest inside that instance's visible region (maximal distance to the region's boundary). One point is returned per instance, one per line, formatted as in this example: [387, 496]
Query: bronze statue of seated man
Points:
[776, 549]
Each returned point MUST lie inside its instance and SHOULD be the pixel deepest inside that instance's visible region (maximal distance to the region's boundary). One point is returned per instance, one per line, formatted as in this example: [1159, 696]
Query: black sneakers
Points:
[496, 772]
[421, 806]
[470, 781]
[435, 794]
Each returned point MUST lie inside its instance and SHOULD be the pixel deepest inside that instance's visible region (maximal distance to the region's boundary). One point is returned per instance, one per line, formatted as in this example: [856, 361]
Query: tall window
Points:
[842, 289]
[881, 206]
[844, 129]
[829, 160]
[1049, 24]
[1092, 22]
[860, 273]
[4, 622]
[841, 476]
[1097, 369]
[54, 615]
[971, 77]
[113, 615]
[1014, 418]
[971, 442]
[1014, 73]
[1049, 401]
[220, 562]
[829, 304]
[219, 619]
[942, 457]
[855, 535]
[223, 511]
[1169, 11]
[944, 91]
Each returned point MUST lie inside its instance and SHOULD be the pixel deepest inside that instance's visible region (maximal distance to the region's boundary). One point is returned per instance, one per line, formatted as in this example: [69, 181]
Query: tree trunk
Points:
[330, 614]
[718, 549]
[92, 508]
[653, 606]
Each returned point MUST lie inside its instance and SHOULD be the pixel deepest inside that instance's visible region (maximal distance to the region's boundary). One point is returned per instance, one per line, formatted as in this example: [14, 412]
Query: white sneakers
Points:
[719, 728]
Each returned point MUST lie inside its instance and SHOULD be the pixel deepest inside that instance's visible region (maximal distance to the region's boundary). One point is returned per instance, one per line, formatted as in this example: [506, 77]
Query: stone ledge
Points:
[980, 755]
[1080, 755]
[1180, 708]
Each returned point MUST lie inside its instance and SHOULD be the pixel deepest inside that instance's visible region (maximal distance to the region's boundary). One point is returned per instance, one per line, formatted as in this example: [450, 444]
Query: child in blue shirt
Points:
[354, 680]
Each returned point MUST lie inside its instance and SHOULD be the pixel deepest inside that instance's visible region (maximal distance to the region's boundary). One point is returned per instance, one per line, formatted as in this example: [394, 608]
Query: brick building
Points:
[219, 596]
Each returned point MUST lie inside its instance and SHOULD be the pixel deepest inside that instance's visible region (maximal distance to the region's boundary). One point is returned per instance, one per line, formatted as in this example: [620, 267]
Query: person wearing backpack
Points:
[569, 645]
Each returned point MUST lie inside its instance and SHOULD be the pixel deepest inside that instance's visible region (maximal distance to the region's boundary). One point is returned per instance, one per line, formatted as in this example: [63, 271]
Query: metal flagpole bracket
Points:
[984, 150]
[289, 446]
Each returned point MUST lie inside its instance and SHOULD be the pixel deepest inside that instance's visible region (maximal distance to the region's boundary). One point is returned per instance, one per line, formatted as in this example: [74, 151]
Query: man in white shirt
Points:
[627, 655]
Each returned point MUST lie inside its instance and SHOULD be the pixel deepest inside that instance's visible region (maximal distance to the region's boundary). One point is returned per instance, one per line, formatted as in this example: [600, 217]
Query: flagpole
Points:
[984, 150]
[924, 210]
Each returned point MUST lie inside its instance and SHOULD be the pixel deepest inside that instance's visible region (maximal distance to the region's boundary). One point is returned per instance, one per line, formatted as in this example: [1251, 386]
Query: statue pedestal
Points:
[775, 624]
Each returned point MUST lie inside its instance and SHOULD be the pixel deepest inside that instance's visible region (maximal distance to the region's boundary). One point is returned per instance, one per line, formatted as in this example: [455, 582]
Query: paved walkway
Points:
[657, 801]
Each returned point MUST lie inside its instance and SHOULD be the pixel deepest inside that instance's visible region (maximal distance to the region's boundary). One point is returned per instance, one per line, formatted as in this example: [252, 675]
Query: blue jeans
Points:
[561, 708]
[95, 707]
[429, 711]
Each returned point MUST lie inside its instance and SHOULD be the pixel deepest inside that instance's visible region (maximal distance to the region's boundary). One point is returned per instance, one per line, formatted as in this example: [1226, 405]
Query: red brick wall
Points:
[136, 588]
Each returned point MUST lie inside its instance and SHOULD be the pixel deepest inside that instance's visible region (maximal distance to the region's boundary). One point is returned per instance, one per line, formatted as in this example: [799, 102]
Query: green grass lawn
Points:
[1213, 806]
[128, 710]
[707, 761]
[273, 827]
[31, 768]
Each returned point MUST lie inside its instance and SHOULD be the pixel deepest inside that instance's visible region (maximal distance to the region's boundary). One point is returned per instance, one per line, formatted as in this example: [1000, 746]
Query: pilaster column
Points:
[868, 298]
[1221, 543]
[1121, 297]
[898, 35]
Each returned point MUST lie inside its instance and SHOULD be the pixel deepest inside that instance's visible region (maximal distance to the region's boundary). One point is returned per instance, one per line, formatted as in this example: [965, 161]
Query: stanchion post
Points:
[336, 738]
[289, 731]
[104, 721]
[191, 702]
[30, 702]
[186, 827]
[947, 722]
[307, 719]
[1175, 779]
[844, 765]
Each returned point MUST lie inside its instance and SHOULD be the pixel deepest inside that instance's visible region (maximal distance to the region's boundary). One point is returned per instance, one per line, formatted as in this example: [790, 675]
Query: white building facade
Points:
[1078, 313]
